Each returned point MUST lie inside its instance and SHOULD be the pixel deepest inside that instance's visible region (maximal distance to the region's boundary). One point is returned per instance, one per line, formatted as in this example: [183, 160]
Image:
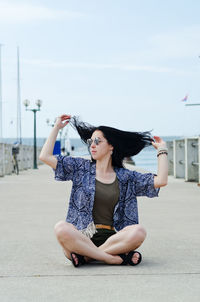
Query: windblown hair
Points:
[125, 143]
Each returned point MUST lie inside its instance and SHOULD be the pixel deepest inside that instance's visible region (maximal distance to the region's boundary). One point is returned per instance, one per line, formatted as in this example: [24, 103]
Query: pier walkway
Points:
[33, 267]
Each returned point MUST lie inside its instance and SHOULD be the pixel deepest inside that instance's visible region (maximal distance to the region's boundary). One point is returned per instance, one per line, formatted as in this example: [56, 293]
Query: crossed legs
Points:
[72, 240]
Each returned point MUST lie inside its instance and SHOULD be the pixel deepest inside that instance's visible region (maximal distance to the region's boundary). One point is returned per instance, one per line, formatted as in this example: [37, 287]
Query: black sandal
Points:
[124, 258]
[130, 256]
[81, 260]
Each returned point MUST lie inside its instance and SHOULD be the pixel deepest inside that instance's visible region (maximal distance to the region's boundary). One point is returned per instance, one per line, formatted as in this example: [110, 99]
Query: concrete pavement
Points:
[33, 267]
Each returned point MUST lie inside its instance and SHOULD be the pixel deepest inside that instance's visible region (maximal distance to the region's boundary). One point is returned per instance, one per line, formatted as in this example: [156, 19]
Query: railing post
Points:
[199, 159]
[1, 159]
[191, 159]
[7, 159]
[170, 158]
[179, 158]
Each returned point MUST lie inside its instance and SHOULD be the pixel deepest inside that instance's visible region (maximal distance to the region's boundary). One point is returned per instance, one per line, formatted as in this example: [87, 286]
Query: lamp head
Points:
[26, 103]
[38, 103]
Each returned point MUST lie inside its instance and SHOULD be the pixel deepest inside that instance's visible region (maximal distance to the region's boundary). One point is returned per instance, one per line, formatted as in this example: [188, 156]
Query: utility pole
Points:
[19, 127]
[1, 107]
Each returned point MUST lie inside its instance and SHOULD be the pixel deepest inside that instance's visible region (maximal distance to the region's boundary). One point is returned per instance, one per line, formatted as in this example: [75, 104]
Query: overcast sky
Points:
[122, 63]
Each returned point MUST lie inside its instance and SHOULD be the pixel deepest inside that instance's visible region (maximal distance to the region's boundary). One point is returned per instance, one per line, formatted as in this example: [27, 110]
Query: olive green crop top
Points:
[105, 200]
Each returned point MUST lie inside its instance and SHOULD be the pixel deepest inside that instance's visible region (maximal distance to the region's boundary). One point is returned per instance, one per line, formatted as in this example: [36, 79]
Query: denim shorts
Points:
[101, 236]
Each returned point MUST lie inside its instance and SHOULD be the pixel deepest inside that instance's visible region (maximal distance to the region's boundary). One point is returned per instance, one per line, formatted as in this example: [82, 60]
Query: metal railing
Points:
[184, 158]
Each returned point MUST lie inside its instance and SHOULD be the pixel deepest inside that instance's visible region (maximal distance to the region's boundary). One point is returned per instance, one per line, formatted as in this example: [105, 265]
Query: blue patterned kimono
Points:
[82, 173]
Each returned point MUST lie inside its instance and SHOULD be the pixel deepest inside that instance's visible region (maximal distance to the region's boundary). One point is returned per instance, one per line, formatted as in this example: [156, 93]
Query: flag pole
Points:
[19, 130]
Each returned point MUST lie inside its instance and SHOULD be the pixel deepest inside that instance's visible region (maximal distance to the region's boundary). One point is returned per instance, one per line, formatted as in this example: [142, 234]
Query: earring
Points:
[111, 152]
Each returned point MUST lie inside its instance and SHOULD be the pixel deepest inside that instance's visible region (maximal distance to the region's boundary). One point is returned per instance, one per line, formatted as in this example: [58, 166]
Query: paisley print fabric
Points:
[82, 173]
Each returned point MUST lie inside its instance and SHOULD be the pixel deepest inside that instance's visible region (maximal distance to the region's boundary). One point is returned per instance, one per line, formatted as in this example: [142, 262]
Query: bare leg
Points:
[126, 240]
[74, 241]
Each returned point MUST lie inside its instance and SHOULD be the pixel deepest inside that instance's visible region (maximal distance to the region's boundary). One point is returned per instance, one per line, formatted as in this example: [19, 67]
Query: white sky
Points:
[122, 63]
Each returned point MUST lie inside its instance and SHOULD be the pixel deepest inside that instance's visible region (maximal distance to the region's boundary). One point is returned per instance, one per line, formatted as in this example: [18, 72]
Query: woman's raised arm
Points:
[46, 154]
[162, 176]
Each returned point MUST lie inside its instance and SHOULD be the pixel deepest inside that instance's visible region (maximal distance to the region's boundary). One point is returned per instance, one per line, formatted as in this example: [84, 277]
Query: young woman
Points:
[102, 220]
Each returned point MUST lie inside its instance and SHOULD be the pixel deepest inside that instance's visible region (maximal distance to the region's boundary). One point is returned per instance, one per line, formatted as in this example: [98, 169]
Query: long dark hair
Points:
[125, 143]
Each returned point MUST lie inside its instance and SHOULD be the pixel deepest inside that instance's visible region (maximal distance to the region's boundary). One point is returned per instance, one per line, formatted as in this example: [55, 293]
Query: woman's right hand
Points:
[62, 121]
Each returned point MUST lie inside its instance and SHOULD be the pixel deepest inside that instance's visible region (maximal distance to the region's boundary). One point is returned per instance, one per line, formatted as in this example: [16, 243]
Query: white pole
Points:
[1, 109]
[19, 130]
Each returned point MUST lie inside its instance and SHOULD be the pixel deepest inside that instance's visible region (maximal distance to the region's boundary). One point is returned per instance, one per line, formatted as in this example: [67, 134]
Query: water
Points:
[25, 141]
[146, 159]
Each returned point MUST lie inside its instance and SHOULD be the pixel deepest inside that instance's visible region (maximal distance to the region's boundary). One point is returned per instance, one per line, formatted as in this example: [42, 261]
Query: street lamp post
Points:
[34, 110]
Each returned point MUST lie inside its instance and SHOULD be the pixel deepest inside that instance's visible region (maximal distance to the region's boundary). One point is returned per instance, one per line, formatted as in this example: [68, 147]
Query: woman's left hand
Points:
[159, 142]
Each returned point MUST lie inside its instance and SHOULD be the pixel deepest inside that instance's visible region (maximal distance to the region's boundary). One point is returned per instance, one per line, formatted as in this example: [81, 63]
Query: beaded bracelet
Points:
[162, 153]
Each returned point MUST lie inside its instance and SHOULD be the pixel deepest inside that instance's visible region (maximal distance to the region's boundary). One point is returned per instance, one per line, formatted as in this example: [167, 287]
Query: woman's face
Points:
[102, 149]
